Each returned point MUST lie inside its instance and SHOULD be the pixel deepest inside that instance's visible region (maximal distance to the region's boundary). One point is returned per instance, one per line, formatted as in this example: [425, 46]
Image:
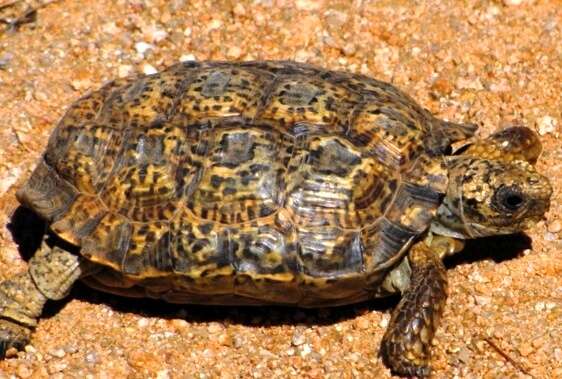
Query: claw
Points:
[402, 362]
[12, 335]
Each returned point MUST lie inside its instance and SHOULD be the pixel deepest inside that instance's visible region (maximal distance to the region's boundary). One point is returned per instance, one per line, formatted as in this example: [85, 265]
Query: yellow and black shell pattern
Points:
[243, 183]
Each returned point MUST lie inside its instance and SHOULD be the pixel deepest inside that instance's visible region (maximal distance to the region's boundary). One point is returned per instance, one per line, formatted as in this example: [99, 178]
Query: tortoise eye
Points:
[509, 198]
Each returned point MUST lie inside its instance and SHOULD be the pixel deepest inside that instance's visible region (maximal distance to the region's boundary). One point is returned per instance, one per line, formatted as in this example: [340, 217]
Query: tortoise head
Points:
[493, 194]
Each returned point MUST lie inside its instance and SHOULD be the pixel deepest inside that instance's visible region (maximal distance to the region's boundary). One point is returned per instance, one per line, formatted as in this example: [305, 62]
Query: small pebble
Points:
[546, 125]
[550, 237]
[335, 18]
[482, 300]
[11, 352]
[554, 226]
[363, 323]
[163, 374]
[239, 10]
[349, 49]
[59, 353]
[91, 358]
[215, 327]
[5, 59]
[187, 58]
[225, 339]
[143, 47]
[70, 349]
[214, 24]
[308, 5]
[538, 342]
[354, 357]
[234, 52]
[558, 354]
[305, 350]
[80, 84]
[298, 337]
[526, 349]
[267, 354]
[143, 322]
[179, 324]
[23, 371]
[156, 35]
[469, 83]
[10, 179]
[513, 2]
[238, 341]
[149, 69]
[464, 354]
[125, 70]
[302, 56]
[110, 28]
[383, 323]
[57, 366]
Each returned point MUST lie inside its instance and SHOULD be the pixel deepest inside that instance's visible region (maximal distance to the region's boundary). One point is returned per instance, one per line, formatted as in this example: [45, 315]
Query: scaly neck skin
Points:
[449, 220]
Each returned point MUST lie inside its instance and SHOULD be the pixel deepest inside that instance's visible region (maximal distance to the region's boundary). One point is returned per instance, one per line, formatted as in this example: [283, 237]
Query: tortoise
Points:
[268, 183]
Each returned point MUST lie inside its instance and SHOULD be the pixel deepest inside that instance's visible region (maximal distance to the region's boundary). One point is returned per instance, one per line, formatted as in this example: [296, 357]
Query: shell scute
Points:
[220, 92]
[242, 175]
[297, 100]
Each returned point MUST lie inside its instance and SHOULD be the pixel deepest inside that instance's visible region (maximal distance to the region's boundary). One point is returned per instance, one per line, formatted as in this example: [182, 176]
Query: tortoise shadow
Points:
[28, 231]
[249, 316]
[496, 248]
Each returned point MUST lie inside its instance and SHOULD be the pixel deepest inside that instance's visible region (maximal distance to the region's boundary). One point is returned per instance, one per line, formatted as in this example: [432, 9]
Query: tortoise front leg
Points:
[50, 275]
[406, 345]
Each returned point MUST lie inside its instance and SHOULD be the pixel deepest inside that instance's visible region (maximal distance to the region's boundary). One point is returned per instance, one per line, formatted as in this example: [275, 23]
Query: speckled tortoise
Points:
[268, 183]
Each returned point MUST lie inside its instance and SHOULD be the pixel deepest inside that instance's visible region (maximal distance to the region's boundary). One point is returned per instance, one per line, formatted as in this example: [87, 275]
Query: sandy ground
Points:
[495, 63]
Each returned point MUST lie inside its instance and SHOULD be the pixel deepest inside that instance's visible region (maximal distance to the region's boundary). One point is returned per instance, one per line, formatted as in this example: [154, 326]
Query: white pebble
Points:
[308, 5]
[59, 353]
[513, 2]
[234, 52]
[546, 125]
[149, 69]
[125, 70]
[540, 306]
[298, 338]
[156, 35]
[239, 10]
[143, 47]
[306, 349]
[188, 58]
[302, 56]
[215, 24]
[385, 320]
[9, 179]
[110, 28]
[554, 226]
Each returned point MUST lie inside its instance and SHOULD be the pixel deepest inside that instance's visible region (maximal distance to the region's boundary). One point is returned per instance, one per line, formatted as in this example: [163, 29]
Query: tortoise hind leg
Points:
[51, 274]
[406, 345]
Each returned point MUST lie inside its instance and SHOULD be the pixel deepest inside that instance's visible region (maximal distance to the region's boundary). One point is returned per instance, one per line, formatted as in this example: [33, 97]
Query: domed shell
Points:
[253, 182]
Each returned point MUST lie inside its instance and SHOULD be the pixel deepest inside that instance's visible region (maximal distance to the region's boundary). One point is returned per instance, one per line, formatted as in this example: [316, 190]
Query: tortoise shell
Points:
[244, 183]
